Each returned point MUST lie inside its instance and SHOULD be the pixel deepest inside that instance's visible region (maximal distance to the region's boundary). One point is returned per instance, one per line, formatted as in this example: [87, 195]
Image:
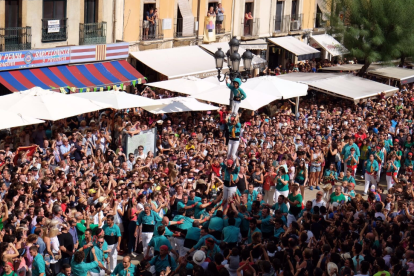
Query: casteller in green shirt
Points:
[293, 198]
[337, 198]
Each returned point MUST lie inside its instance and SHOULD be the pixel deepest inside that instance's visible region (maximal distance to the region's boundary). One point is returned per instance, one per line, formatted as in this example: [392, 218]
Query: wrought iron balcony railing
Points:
[151, 30]
[92, 33]
[15, 38]
[251, 27]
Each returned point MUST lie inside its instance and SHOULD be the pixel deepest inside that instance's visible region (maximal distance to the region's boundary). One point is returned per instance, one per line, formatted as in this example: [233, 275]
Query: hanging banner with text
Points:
[53, 26]
[62, 55]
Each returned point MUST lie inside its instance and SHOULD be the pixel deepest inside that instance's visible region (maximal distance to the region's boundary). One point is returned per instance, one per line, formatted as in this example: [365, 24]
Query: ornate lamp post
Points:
[233, 63]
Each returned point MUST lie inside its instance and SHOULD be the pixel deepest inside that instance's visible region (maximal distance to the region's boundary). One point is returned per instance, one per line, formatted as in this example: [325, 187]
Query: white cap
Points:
[373, 188]
[199, 257]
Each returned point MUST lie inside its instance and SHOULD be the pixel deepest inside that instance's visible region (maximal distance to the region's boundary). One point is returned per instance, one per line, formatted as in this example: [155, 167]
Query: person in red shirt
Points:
[360, 136]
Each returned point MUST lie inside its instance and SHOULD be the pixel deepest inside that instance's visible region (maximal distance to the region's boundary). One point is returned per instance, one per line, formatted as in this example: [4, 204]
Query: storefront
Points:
[288, 50]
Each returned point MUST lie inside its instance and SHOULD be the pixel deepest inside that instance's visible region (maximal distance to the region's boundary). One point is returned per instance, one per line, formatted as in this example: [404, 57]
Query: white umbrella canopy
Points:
[116, 99]
[12, 119]
[220, 94]
[274, 86]
[48, 105]
[178, 104]
[188, 85]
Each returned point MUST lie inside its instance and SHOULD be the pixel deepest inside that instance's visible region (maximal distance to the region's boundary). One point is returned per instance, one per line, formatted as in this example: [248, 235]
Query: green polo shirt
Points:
[158, 241]
[250, 234]
[231, 234]
[81, 228]
[112, 231]
[38, 265]
[100, 256]
[280, 186]
[216, 224]
[193, 234]
[150, 219]
[81, 269]
[266, 225]
[337, 198]
[167, 233]
[187, 223]
[121, 271]
[161, 264]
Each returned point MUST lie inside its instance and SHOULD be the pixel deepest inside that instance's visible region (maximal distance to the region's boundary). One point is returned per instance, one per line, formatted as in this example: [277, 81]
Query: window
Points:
[91, 11]
[248, 7]
[294, 9]
[213, 4]
[279, 16]
[54, 26]
[12, 14]
[54, 9]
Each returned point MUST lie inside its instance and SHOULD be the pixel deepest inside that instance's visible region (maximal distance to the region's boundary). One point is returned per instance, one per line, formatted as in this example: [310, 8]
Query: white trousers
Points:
[179, 246]
[235, 107]
[269, 196]
[101, 273]
[290, 218]
[113, 255]
[278, 193]
[228, 192]
[390, 182]
[369, 180]
[146, 238]
[379, 173]
[232, 149]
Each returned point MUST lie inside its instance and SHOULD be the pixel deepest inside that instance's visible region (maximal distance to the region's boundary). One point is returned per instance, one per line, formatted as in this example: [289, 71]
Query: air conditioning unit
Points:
[295, 25]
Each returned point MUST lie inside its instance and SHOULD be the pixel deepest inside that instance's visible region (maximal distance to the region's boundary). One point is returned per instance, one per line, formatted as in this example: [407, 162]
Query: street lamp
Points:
[233, 62]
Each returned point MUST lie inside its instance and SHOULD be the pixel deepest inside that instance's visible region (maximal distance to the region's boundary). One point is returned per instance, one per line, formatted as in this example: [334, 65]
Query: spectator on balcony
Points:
[148, 23]
[211, 12]
[248, 18]
[220, 17]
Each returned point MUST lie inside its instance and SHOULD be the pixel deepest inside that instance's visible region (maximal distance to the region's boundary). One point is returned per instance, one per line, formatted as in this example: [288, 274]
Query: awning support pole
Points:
[297, 107]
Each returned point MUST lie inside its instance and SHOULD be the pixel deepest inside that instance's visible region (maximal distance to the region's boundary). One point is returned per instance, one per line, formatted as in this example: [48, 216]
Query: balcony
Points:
[221, 24]
[281, 25]
[295, 23]
[250, 29]
[15, 39]
[151, 31]
[92, 33]
[181, 31]
[54, 32]
[320, 23]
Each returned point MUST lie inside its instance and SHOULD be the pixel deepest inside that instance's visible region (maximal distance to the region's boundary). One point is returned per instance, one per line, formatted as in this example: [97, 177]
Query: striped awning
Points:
[79, 76]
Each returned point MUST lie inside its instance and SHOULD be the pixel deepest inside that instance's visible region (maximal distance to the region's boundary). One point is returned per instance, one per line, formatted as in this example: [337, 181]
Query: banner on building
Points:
[62, 55]
[209, 29]
[147, 139]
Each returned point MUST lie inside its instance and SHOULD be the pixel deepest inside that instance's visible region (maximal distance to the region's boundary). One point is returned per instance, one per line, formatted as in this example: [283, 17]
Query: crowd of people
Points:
[224, 193]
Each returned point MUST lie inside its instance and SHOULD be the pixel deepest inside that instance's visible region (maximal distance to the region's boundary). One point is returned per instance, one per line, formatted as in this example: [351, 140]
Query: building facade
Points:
[37, 24]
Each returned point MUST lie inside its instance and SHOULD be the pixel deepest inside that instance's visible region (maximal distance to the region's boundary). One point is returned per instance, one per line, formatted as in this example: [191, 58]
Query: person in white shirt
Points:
[318, 201]
[141, 153]
[131, 161]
